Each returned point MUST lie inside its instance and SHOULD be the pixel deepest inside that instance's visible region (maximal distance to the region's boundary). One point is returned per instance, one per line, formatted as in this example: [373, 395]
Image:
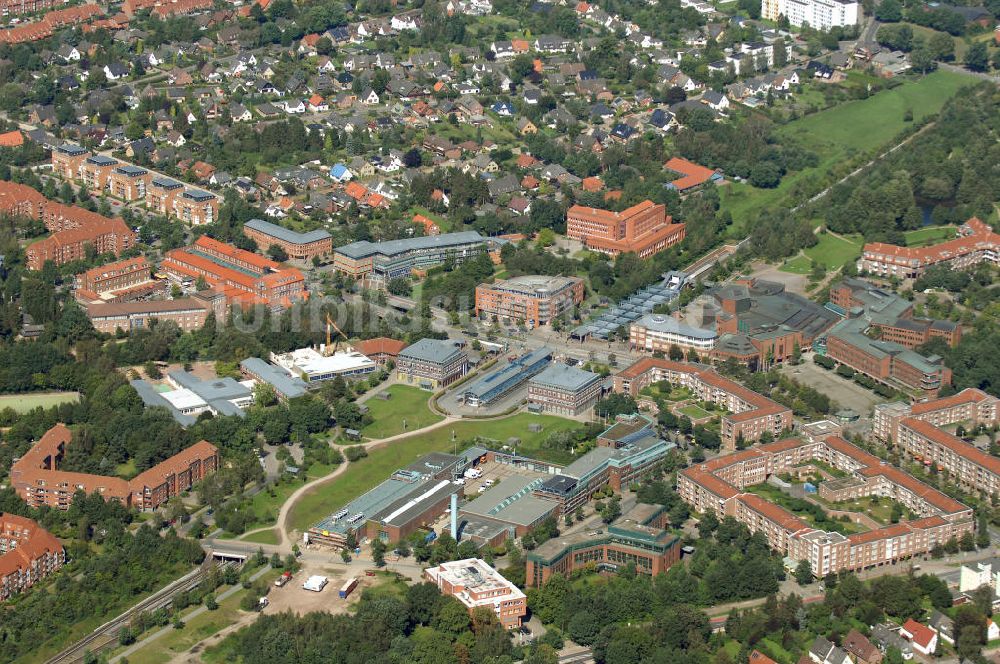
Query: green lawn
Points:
[126, 470]
[846, 130]
[798, 265]
[929, 235]
[695, 412]
[407, 403]
[265, 506]
[370, 471]
[263, 537]
[832, 251]
[22, 403]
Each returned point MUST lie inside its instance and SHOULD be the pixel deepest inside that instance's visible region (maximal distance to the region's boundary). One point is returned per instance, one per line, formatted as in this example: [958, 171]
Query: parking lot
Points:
[293, 597]
[846, 393]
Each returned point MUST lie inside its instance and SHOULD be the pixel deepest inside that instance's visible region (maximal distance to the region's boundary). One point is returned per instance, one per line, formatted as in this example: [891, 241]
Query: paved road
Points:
[993, 78]
[226, 594]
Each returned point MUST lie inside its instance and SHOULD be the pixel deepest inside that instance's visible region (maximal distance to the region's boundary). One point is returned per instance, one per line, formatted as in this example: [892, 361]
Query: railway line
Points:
[105, 637]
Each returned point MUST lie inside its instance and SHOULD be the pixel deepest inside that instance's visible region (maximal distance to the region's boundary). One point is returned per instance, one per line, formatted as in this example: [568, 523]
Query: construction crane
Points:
[330, 325]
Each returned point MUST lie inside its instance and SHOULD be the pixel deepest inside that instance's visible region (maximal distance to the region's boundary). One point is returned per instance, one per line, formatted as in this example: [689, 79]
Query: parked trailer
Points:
[348, 586]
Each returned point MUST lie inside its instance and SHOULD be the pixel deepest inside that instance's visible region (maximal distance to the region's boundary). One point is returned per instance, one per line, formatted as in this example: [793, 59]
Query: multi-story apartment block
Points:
[644, 229]
[971, 406]
[534, 300]
[21, 200]
[818, 14]
[37, 479]
[241, 276]
[564, 390]
[301, 246]
[977, 242]
[718, 485]
[750, 415]
[432, 363]
[383, 261]
[189, 313]
[477, 585]
[122, 280]
[28, 553]
[162, 195]
[109, 236]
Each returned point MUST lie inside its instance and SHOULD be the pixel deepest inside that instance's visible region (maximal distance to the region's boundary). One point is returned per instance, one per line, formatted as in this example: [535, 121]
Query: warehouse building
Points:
[639, 537]
[431, 363]
[510, 509]
[564, 390]
[503, 381]
[301, 246]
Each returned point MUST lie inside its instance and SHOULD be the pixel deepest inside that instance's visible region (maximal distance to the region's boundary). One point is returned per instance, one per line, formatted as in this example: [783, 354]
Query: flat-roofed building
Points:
[431, 363]
[285, 387]
[383, 261]
[301, 246]
[644, 229]
[67, 161]
[497, 384]
[510, 505]
[639, 538]
[534, 300]
[658, 333]
[564, 390]
[314, 366]
[128, 182]
[477, 585]
[28, 553]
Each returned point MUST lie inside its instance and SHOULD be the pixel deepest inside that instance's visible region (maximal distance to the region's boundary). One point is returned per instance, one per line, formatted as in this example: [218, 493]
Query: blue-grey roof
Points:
[363, 249]
[669, 324]
[564, 377]
[287, 386]
[480, 388]
[198, 195]
[210, 390]
[129, 169]
[165, 182]
[431, 350]
[285, 234]
[153, 399]
[101, 160]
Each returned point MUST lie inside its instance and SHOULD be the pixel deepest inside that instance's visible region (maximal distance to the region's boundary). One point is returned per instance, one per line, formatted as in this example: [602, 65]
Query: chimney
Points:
[454, 516]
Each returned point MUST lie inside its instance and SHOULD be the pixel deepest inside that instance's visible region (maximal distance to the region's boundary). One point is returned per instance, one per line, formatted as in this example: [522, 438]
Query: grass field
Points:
[368, 472]
[407, 403]
[838, 133]
[265, 506]
[831, 250]
[22, 403]
[263, 537]
[929, 235]
[695, 412]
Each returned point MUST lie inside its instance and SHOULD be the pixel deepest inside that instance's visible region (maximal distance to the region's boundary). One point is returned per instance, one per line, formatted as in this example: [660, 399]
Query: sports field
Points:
[857, 127]
[406, 404]
[376, 467]
[22, 403]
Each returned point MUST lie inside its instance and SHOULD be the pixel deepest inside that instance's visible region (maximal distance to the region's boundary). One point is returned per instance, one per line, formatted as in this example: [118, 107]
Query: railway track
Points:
[106, 636]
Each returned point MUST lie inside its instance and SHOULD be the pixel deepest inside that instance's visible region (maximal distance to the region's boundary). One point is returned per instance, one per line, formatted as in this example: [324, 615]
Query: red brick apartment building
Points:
[110, 236]
[241, 276]
[977, 242]
[533, 299]
[37, 479]
[28, 553]
[750, 414]
[127, 279]
[17, 7]
[718, 484]
[644, 229]
[301, 246]
[971, 406]
[475, 584]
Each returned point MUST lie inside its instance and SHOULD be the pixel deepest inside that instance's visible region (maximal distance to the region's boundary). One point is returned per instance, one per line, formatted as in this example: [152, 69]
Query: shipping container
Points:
[348, 586]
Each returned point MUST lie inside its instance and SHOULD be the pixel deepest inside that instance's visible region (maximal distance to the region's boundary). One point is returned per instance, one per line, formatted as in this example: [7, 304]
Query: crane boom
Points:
[330, 324]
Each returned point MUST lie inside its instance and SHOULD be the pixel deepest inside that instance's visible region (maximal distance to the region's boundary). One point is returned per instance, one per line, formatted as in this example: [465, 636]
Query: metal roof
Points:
[285, 234]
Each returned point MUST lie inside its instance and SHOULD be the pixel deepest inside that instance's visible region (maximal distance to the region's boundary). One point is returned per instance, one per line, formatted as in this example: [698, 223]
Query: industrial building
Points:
[28, 553]
[505, 511]
[285, 386]
[314, 366]
[301, 246]
[503, 381]
[564, 390]
[410, 499]
[639, 537]
[475, 584]
[382, 261]
[531, 299]
[431, 363]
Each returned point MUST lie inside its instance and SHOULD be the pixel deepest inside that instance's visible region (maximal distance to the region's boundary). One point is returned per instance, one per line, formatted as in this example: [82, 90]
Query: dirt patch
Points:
[794, 283]
[293, 597]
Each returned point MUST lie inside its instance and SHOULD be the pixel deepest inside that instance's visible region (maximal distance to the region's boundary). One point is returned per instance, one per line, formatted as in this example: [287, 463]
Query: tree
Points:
[378, 552]
[277, 253]
[803, 573]
[977, 57]
[889, 11]
[675, 353]
[400, 286]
